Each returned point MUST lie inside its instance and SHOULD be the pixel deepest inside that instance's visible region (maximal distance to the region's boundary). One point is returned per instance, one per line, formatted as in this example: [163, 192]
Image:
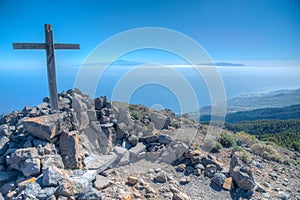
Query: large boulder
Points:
[26, 160]
[122, 114]
[100, 163]
[173, 151]
[47, 126]
[7, 175]
[73, 186]
[52, 160]
[51, 176]
[94, 140]
[81, 120]
[4, 142]
[160, 120]
[70, 150]
[241, 174]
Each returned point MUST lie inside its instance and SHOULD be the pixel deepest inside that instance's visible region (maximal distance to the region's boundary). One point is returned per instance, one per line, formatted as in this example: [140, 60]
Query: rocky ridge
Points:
[96, 149]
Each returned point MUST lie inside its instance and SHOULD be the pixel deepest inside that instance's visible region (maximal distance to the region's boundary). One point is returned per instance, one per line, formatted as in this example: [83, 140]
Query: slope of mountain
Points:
[274, 99]
[283, 113]
[288, 112]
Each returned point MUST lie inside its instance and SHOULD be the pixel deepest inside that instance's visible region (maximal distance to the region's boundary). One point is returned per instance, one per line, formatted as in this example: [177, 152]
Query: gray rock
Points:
[26, 160]
[150, 139]
[7, 175]
[77, 103]
[210, 170]
[92, 115]
[32, 190]
[90, 174]
[260, 188]
[52, 160]
[121, 130]
[273, 176]
[242, 176]
[5, 130]
[257, 164]
[211, 161]
[267, 184]
[45, 127]
[181, 168]
[95, 142]
[134, 151]
[160, 121]
[218, 179]
[4, 142]
[164, 139]
[173, 151]
[50, 149]
[73, 186]
[106, 125]
[100, 102]
[160, 178]
[90, 194]
[199, 166]
[70, 150]
[99, 163]
[7, 187]
[133, 140]
[101, 182]
[180, 196]
[46, 193]
[122, 115]
[51, 176]
[283, 195]
[81, 120]
[189, 169]
[125, 159]
[120, 151]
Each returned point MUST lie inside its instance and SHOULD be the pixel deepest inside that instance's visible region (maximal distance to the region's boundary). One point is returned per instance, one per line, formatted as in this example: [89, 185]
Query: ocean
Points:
[20, 87]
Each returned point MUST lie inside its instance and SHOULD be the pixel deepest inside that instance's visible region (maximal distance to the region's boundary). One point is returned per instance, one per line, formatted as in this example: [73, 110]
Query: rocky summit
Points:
[96, 149]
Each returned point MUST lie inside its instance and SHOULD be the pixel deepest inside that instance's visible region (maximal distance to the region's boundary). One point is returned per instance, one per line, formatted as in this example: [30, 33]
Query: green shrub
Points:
[236, 149]
[137, 115]
[216, 147]
[175, 124]
[245, 157]
[296, 146]
[245, 138]
[227, 140]
[290, 162]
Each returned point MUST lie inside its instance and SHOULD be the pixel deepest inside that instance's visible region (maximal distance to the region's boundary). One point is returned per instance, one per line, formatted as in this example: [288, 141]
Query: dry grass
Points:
[266, 151]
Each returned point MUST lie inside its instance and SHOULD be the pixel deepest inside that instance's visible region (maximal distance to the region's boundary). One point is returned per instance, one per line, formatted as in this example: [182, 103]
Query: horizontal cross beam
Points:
[43, 46]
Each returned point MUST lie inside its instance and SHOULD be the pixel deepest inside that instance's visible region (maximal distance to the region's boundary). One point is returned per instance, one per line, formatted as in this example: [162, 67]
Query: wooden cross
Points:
[51, 71]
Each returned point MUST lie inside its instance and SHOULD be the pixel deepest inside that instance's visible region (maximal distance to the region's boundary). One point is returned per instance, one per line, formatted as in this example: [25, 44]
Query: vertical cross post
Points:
[49, 46]
[51, 71]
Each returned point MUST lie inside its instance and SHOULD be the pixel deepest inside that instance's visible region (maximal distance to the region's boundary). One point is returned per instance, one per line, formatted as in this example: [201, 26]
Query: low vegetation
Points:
[137, 115]
[266, 151]
[284, 133]
[289, 140]
[266, 126]
[227, 140]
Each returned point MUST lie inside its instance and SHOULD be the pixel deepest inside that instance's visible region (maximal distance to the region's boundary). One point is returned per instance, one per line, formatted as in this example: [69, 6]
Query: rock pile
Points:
[72, 154]
[46, 155]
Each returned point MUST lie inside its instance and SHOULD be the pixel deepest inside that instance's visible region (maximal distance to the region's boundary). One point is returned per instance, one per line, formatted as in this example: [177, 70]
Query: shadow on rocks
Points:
[237, 194]
[215, 187]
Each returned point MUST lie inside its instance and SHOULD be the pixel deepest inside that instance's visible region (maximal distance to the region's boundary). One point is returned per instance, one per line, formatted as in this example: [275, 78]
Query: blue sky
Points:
[257, 33]
[228, 30]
